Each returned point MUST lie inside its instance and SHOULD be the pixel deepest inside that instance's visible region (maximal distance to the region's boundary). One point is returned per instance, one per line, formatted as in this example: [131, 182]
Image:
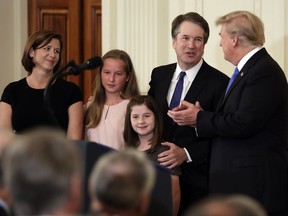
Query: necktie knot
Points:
[236, 71]
[234, 75]
[181, 76]
[175, 101]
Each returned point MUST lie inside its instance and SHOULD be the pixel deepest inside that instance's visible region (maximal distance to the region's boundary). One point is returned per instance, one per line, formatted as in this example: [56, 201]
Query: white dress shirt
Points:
[188, 80]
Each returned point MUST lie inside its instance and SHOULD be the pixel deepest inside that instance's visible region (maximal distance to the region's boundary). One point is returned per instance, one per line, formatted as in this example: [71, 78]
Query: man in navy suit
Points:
[250, 126]
[190, 33]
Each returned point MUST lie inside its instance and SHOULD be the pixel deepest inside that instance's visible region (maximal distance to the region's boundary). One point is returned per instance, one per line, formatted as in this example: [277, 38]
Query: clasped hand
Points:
[185, 113]
[173, 157]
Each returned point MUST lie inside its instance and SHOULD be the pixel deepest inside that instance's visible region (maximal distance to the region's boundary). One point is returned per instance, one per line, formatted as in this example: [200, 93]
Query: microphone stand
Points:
[46, 94]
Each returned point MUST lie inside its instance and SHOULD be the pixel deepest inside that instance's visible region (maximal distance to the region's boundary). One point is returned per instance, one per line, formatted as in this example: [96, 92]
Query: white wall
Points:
[142, 28]
[13, 22]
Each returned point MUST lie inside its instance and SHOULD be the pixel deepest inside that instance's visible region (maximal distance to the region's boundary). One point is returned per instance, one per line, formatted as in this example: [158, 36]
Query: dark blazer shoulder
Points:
[263, 59]
[165, 67]
[160, 80]
[210, 78]
[211, 71]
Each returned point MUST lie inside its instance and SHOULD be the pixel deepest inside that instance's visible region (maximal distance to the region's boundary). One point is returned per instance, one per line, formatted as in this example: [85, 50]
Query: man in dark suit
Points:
[250, 126]
[202, 82]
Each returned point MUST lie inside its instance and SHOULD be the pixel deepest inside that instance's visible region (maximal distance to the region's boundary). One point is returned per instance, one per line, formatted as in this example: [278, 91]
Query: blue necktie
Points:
[175, 101]
[236, 71]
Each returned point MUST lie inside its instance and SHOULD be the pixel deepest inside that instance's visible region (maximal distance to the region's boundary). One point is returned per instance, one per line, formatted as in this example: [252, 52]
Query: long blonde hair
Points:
[131, 89]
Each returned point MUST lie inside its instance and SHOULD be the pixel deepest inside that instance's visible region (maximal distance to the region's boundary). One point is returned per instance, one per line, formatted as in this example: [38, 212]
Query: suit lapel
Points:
[244, 71]
[165, 83]
[237, 80]
[198, 84]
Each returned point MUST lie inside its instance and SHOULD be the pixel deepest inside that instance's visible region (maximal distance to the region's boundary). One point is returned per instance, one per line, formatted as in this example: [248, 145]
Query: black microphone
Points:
[91, 63]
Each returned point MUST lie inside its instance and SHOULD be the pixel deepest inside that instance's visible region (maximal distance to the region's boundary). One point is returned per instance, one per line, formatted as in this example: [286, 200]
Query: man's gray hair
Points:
[120, 178]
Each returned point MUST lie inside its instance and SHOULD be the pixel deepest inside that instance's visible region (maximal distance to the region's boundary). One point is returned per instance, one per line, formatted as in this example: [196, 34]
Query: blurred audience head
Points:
[6, 137]
[41, 170]
[233, 205]
[121, 183]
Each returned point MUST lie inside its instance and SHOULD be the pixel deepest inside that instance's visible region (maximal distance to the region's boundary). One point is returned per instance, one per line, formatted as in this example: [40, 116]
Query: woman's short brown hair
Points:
[35, 41]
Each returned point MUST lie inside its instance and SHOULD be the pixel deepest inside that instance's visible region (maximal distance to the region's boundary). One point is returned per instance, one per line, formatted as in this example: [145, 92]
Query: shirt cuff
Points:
[188, 156]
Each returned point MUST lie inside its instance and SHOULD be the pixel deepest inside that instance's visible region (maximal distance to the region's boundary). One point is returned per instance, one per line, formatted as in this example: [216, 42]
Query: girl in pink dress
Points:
[105, 111]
